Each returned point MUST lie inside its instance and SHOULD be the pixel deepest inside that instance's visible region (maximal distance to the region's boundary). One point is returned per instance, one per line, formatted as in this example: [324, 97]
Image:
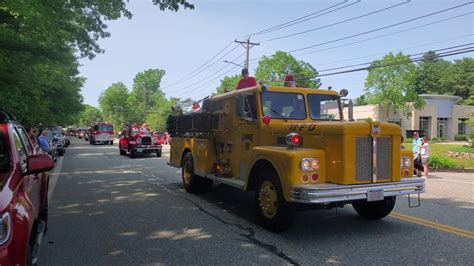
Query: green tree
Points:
[460, 81]
[361, 100]
[228, 83]
[431, 74]
[89, 115]
[114, 104]
[274, 68]
[39, 41]
[146, 93]
[389, 84]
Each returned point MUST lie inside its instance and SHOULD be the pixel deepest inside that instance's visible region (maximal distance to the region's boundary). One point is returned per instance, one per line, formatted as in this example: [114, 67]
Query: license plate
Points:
[375, 195]
[139, 150]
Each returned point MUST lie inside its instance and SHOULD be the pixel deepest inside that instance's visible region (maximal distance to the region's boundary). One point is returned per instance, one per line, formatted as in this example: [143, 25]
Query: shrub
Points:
[461, 137]
[408, 140]
[443, 138]
[439, 162]
[434, 139]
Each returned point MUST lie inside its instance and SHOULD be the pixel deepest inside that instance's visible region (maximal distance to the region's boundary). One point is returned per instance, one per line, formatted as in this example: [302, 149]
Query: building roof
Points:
[451, 98]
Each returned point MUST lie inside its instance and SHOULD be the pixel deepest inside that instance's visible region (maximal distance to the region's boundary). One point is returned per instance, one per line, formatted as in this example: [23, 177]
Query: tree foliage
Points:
[89, 115]
[274, 68]
[39, 41]
[391, 87]
[228, 83]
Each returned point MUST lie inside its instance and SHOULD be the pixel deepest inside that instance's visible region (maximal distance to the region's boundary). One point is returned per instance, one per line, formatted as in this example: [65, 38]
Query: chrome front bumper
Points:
[327, 193]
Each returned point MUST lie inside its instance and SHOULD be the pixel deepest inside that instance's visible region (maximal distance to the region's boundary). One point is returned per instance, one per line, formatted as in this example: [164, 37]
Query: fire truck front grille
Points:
[384, 157]
[146, 141]
[363, 159]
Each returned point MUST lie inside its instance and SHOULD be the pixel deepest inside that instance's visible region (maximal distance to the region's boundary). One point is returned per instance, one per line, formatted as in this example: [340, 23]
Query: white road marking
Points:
[54, 176]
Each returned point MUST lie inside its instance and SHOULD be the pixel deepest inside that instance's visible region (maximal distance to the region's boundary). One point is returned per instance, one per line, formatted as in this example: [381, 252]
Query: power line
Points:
[207, 77]
[388, 34]
[207, 67]
[417, 54]
[398, 50]
[382, 28]
[197, 69]
[401, 62]
[297, 20]
[376, 37]
[339, 22]
[207, 83]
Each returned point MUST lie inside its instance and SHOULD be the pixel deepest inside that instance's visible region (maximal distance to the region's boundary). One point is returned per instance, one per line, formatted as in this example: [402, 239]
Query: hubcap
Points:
[268, 200]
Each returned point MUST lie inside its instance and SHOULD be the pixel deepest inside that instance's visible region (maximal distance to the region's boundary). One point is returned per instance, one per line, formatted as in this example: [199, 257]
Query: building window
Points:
[398, 122]
[462, 125]
[442, 127]
[425, 126]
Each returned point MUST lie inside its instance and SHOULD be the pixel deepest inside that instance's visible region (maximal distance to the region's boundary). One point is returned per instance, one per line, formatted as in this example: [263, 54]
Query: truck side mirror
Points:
[39, 163]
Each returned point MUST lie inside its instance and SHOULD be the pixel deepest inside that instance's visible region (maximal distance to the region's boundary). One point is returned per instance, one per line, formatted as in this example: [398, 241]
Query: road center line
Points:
[434, 225]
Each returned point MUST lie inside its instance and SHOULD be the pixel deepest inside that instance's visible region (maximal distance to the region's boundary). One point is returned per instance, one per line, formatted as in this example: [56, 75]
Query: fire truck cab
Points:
[292, 147]
[101, 132]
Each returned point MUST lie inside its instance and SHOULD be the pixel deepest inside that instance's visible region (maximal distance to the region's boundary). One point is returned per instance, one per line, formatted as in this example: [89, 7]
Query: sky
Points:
[180, 42]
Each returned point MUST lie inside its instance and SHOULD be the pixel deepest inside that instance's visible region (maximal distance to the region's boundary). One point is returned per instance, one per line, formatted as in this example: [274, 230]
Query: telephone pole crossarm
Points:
[247, 45]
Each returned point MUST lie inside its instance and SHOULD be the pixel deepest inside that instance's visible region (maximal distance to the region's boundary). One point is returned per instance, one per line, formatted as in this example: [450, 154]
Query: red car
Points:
[159, 138]
[23, 194]
[134, 142]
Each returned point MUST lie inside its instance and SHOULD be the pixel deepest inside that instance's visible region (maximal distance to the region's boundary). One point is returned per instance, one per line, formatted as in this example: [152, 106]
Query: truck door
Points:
[246, 133]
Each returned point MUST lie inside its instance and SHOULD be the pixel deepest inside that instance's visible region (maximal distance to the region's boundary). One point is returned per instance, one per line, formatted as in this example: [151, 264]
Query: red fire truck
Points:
[102, 132]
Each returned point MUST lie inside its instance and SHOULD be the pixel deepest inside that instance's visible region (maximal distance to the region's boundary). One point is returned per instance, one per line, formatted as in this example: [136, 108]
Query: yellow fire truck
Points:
[292, 147]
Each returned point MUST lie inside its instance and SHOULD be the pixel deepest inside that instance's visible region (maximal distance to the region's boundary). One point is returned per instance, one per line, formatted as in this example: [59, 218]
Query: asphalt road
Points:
[110, 209]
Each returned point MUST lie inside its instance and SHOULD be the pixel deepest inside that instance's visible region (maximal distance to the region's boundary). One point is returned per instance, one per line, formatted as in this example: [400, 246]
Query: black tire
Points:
[61, 152]
[279, 217]
[111, 143]
[122, 152]
[192, 182]
[133, 153]
[375, 210]
[158, 153]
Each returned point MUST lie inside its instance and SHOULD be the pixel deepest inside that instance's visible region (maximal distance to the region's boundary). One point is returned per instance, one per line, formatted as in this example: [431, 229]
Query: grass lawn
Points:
[441, 150]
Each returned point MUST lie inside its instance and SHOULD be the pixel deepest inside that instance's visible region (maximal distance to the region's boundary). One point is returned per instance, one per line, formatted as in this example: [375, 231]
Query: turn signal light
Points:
[293, 139]
[305, 179]
[314, 177]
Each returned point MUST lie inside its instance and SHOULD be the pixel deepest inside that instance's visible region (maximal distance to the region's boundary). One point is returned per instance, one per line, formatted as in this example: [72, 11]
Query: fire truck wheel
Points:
[375, 210]
[274, 212]
[122, 152]
[192, 182]
[158, 153]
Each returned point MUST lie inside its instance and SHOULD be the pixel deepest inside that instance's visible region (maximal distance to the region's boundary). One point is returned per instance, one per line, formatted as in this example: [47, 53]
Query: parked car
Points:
[23, 194]
[58, 139]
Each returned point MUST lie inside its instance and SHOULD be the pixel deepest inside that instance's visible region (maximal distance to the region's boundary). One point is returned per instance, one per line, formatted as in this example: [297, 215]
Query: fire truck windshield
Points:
[283, 105]
[324, 107]
[103, 128]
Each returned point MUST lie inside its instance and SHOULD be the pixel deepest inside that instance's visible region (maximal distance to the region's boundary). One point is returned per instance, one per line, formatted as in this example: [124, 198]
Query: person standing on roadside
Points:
[416, 143]
[425, 155]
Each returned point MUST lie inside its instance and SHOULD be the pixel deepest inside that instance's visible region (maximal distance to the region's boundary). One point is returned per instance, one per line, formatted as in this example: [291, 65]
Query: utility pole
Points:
[247, 45]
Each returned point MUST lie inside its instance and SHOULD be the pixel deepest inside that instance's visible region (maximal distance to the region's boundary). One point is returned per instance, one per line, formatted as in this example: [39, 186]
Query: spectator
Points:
[416, 143]
[246, 80]
[196, 107]
[43, 141]
[425, 155]
[32, 134]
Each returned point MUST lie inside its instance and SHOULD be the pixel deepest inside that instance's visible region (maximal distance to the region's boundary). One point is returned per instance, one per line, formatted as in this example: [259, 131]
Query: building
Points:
[441, 117]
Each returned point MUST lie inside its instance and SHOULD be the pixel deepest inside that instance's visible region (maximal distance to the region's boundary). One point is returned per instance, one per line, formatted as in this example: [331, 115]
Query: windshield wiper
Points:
[276, 112]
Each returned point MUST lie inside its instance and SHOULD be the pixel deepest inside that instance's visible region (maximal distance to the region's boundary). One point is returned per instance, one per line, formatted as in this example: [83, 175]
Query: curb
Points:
[448, 170]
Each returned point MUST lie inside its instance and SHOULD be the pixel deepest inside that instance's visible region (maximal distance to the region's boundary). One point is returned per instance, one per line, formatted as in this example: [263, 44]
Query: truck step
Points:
[237, 183]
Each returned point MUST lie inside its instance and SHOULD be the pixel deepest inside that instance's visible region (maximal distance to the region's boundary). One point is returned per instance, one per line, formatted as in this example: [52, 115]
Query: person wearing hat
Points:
[246, 80]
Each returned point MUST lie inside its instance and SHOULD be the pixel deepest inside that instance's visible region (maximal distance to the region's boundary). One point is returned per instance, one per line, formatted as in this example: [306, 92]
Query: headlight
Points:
[5, 227]
[308, 164]
[405, 162]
